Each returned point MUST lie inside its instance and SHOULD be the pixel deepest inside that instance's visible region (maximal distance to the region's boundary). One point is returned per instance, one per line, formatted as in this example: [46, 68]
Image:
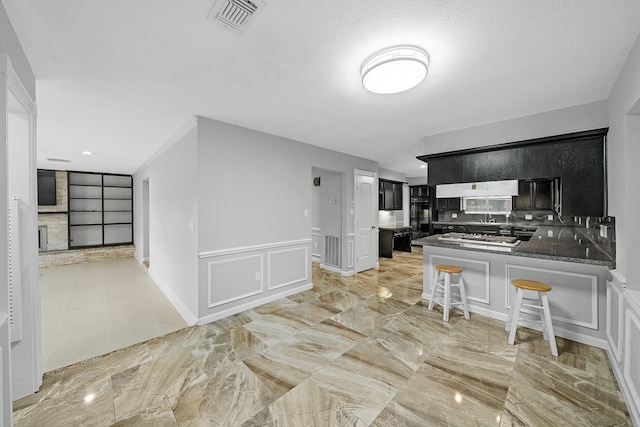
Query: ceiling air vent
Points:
[58, 160]
[236, 15]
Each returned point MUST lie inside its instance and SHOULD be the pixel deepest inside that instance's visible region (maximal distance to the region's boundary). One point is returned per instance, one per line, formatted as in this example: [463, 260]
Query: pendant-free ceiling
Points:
[395, 69]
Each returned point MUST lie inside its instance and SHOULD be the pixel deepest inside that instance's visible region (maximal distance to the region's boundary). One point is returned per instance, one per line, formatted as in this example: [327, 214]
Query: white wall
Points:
[10, 45]
[556, 122]
[254, 189]
[173, 254]
[623, 143]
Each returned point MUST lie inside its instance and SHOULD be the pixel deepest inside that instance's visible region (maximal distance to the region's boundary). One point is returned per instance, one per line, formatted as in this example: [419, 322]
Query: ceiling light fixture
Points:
[87, 153]
[395, 69]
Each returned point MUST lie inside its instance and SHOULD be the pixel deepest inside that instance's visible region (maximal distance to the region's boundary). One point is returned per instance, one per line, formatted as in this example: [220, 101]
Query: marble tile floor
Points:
[91, 309]
[337, 355]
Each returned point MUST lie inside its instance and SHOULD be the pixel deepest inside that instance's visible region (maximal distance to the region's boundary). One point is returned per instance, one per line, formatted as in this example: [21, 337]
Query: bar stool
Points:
[543, 304]
[443, 280]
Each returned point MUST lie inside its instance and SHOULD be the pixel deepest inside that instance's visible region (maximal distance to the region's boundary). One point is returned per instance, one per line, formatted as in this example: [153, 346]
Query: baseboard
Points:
[558, 330]
[330, 268]
[182, 309]
[240, 308]
[634, 411]
[348, 273]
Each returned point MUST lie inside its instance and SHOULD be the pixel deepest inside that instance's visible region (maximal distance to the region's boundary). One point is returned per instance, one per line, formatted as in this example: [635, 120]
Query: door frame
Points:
[374, 241]
[23, 358]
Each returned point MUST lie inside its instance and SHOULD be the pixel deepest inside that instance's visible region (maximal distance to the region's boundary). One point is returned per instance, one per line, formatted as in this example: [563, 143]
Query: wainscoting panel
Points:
[476, 276]
[235, 278]
[573, 299]
[251, 275]
[316, 244]
[631, 350]
[351, 251]
[287, 267]
[614, 318]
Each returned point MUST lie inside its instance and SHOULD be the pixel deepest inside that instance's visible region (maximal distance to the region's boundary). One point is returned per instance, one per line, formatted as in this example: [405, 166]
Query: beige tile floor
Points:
[337, 355]
[94, 308]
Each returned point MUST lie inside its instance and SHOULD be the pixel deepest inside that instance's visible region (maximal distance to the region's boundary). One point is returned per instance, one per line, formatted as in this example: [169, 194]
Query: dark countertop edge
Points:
[394, 227]
[528, 224]
[436, 243]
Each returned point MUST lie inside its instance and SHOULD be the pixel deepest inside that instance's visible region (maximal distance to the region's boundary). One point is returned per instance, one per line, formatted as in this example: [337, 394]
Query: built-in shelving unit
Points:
[100, 209]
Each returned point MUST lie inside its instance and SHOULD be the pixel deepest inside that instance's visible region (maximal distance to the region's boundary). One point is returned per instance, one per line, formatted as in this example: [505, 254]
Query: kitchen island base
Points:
[578, 298]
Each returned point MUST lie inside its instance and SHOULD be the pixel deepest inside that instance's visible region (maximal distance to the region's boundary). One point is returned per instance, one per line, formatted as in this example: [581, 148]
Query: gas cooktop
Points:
[501, 241]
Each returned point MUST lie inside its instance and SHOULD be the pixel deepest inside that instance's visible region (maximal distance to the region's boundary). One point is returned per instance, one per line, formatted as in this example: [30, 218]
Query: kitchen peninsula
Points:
[575, 260]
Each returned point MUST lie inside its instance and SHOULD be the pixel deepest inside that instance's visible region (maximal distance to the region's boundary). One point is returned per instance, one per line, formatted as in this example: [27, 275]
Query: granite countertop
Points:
[558, 243]
[527, 224]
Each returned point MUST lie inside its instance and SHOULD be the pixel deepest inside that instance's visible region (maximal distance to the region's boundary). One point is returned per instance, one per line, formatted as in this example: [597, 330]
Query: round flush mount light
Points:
[87, 153]
[395, 69]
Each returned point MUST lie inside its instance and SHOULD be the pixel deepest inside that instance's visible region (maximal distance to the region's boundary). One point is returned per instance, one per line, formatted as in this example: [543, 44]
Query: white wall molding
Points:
[240, 308]
[591, 323]
[316, 244]
[189, 318]
[258, 278]
[239, 276]
[484, 299]
[631, 368]
[271, 282]
[558, 330]
[615, 312]
[351, 250]
[191, 124]
[230, 251]
[330, 268]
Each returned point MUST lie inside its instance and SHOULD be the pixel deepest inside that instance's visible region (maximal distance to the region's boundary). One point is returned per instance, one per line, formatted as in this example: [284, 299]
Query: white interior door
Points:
[366, 221]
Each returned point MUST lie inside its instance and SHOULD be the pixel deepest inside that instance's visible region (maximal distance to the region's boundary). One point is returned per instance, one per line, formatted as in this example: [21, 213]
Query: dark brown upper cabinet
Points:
[390, 198]
[535, 195]
[578, 159]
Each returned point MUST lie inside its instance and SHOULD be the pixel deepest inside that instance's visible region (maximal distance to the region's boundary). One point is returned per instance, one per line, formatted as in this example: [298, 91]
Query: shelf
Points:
[85, 225]
[117, 186]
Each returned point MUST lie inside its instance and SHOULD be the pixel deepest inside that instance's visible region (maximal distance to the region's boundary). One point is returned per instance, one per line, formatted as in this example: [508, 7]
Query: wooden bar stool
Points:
[543, 304]
[442, 280]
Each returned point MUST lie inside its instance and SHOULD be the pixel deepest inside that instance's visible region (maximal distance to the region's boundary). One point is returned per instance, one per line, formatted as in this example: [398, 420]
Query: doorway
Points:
[326, 218]
[366, 233]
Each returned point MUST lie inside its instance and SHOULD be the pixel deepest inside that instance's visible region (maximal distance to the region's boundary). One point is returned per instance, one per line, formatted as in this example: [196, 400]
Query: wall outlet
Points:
[454, 215]
[549, 217]
[549, 233]
[528, 217]
[257, 275]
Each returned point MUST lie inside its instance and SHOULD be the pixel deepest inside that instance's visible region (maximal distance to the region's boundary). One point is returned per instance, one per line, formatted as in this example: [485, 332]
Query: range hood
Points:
[478, 189]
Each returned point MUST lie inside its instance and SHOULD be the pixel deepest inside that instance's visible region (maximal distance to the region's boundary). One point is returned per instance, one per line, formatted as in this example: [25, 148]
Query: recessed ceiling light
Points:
[87, 153]
[395, 69]
[423, 166]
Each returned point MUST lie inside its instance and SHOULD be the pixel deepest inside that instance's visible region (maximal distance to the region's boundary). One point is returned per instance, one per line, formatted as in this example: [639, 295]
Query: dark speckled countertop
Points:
[558, 243]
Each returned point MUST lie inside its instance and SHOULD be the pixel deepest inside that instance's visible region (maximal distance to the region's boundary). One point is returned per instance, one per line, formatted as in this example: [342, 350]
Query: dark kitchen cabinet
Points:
[578, 159]
[451, 204]
[535, 195]
[419, 191]
[390, 195]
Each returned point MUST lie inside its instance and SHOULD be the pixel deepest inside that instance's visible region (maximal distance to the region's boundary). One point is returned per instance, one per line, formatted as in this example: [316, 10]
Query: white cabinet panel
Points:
[614, 318]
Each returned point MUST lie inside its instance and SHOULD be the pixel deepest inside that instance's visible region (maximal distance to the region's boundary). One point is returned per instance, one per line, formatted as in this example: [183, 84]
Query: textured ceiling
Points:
[120, 77]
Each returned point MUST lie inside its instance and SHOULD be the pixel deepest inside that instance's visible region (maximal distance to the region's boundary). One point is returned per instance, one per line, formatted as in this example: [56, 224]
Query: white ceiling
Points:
[120, 77]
